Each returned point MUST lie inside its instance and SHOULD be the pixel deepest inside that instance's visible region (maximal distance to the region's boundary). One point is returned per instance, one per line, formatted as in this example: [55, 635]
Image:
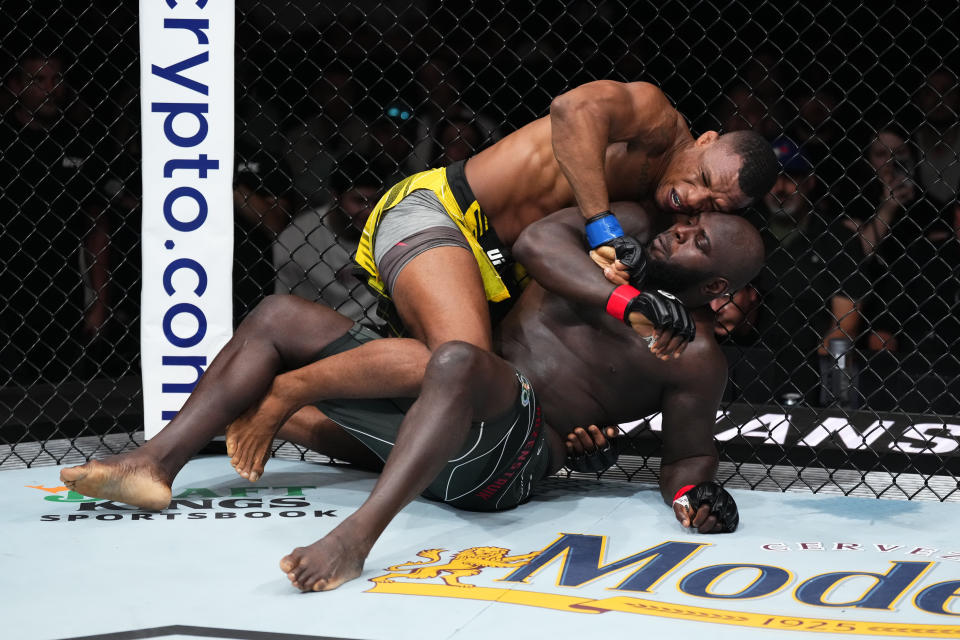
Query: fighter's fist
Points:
[657, 316]
[708, 507]
[591, 450]
[605, 257]
[621, 257]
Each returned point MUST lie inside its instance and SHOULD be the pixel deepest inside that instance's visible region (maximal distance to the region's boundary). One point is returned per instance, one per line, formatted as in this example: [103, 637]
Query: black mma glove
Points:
[722, 504]
[597, 460]
[661, 308]
[633, 256]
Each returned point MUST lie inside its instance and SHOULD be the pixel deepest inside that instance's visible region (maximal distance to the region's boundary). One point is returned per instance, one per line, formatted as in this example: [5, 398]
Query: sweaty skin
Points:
[602, 140]
[551, 340]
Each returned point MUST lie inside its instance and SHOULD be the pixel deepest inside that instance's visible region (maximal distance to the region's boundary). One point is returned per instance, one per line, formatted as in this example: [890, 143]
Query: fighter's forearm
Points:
[581, 133]
[686, 471]
[552, 250]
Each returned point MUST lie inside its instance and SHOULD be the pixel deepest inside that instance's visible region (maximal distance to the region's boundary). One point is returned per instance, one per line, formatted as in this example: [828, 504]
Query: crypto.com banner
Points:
[186, 75]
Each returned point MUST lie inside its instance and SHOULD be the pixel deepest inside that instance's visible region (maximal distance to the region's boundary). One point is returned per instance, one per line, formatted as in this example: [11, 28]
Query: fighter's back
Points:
[518, 180]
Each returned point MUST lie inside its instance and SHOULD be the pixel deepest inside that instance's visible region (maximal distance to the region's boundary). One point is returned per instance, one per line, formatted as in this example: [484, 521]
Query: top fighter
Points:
[474, 438]
[602, 141]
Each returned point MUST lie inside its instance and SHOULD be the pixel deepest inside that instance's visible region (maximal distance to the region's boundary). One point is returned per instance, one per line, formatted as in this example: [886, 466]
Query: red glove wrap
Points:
[619, 299]
[682, 491]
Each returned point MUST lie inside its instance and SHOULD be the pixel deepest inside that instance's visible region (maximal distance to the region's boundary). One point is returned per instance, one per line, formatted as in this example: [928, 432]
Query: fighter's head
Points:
[704, 257]
[718, 173]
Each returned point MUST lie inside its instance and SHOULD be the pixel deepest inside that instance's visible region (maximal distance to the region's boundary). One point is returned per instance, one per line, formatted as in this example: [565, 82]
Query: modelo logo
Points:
[575, 561]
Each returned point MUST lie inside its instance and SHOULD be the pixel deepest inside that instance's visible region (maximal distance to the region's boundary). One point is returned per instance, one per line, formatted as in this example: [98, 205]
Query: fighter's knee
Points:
[454, 359]
[272, 309]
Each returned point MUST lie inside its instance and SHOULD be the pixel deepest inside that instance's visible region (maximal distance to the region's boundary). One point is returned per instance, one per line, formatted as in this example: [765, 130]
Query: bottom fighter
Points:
[484, 428]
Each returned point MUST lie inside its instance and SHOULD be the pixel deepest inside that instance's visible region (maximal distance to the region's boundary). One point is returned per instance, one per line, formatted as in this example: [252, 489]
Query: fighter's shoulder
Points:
[635, 219]
[650, 99]
[702, 362]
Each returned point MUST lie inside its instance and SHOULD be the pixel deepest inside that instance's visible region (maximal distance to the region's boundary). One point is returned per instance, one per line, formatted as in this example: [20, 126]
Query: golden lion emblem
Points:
[469, 562]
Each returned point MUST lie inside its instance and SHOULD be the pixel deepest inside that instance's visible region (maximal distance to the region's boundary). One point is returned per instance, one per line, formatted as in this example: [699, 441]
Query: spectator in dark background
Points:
[258, 117]
[457, 138]
[263, 205]
[440, 88]
[313, 256]
[917, 321]
[741, 109]
[736, 329]
[888, 190]
[812, 285]
[938, 139]
[330, 128]
[391, 140]
[915, 306]
[816, 128]
[123, 189]
[52, 210]
[737, 316]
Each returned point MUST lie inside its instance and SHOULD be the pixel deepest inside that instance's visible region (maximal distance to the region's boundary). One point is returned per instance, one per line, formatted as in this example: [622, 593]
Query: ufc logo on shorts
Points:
[495, 256]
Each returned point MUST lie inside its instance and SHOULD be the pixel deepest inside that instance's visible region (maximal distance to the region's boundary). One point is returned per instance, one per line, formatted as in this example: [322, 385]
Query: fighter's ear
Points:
[716, 287]
[707, 138]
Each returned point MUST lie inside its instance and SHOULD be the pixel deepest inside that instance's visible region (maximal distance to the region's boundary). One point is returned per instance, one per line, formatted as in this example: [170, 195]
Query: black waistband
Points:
[457, 179]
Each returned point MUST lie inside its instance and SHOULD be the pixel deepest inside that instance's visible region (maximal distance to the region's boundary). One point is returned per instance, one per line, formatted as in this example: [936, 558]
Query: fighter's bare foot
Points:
[126, 478]
[327, 563]
[250, 437]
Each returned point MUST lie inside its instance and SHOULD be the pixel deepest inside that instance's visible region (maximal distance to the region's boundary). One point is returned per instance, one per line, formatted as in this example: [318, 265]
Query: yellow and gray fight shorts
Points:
[497, 466]
[427, 210]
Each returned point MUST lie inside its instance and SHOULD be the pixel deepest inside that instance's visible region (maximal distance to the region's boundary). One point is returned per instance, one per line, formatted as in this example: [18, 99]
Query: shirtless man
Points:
[438, 243]
[586, 368]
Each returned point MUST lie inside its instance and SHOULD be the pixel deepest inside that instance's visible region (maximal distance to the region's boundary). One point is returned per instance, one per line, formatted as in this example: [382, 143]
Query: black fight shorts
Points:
[498, 464]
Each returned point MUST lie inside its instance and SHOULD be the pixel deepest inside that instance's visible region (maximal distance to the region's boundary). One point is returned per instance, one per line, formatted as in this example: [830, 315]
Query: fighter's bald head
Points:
[740, 253]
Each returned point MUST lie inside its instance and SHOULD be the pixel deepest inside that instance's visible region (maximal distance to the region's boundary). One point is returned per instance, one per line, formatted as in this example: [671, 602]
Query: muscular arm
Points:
[689, 415]
[552, 251]
[687, 471]
[585, 120]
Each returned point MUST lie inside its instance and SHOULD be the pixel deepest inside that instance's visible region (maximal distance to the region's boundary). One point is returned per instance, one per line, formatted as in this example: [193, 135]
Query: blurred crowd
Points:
[857, 305]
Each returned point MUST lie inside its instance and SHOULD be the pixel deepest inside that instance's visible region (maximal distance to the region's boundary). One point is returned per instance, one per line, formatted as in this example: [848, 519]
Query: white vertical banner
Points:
[187, 103]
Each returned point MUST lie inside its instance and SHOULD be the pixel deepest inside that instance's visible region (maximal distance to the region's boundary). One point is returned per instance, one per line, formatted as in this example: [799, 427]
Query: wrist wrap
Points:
[682, 491]
[619, 300]
[602, 228]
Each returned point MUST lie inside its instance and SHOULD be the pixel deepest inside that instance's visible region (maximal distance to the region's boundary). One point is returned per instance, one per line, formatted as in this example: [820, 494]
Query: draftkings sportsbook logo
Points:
[578, 563]
[199, 503]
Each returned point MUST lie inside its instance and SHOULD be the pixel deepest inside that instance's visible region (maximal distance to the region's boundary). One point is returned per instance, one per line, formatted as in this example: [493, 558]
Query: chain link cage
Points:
[844, 354]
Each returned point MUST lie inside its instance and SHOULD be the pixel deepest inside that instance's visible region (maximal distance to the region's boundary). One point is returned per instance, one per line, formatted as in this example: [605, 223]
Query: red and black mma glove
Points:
[596, 461]
[662, 309]
[603, 230]
[721, 503]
